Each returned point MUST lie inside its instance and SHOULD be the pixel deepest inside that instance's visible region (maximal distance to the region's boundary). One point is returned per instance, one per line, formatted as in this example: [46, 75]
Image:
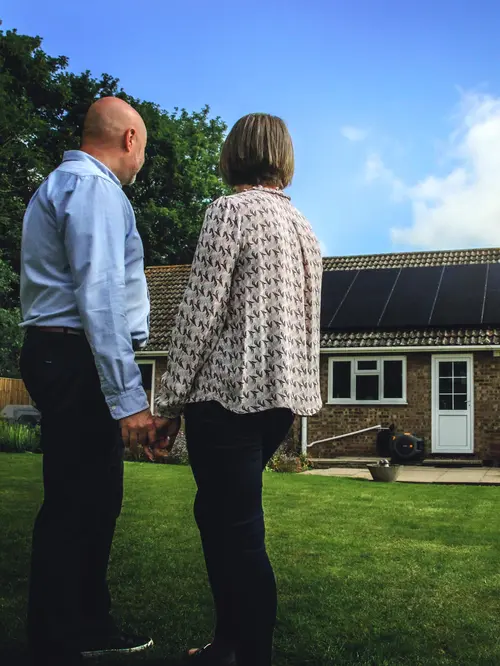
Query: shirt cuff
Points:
[128, 403]
[169, 411]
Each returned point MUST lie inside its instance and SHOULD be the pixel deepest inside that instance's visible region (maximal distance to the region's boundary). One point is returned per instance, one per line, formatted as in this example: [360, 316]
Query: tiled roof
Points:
[409, 259]
[166, 287]
[424, 337]
[167, 284]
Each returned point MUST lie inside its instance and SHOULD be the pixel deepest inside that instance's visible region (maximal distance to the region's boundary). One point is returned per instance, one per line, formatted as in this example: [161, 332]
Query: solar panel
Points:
[491, 313]
[335, 287]
[460, 297]
[366, 300]
[411, 301]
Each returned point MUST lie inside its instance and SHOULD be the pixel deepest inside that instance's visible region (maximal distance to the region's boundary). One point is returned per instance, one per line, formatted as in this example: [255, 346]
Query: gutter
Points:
[411, 348]
[379, 350]
[153, 353]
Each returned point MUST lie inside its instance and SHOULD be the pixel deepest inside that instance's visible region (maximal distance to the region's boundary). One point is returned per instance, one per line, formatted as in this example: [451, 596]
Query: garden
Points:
[368, 574]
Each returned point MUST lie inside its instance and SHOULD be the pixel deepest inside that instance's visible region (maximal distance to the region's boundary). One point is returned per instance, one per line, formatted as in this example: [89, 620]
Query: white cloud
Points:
[375, 169]
[353, 133]
[462, 207]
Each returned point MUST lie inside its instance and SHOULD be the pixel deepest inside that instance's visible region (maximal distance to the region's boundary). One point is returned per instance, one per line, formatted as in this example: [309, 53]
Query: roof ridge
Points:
[403, 253]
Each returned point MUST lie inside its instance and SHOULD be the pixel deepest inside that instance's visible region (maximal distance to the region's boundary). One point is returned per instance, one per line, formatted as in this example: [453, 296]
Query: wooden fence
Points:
[13, 392]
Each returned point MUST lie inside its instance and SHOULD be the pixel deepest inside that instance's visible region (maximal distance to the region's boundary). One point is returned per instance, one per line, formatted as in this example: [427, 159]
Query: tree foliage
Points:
[42, 106]
[10, 333]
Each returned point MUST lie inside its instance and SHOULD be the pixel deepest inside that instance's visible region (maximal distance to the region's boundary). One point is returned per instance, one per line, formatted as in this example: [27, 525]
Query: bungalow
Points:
[407, 339]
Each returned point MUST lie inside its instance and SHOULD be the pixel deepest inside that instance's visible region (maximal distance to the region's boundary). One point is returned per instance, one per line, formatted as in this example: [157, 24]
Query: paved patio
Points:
[486, 476]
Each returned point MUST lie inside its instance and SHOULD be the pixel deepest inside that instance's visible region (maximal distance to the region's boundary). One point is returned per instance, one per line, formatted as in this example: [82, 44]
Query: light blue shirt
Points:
[82, 266]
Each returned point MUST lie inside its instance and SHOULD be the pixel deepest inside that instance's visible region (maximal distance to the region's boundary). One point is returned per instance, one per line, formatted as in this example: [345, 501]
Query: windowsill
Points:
[367, 403]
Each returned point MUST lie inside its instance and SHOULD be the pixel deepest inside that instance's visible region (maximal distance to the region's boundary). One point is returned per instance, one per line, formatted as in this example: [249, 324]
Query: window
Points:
[147, 368]
[367, 380]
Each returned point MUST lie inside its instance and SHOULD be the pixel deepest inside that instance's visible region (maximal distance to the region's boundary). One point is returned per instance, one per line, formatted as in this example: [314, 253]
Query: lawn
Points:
[379, 575]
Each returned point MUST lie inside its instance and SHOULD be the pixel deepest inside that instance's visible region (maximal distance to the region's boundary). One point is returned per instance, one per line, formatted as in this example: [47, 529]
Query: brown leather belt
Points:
[71, 331]
[58, 329]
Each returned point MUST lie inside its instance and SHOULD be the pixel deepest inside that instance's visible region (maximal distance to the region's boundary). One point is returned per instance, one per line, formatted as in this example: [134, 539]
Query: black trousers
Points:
[69, 601]
[228, 453]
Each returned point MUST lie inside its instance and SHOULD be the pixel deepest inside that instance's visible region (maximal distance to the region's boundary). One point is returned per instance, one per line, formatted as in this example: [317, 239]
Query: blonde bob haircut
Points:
[258, 151]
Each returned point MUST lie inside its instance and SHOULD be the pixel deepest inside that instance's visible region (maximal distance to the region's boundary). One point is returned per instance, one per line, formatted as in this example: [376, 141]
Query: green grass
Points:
[379, 575]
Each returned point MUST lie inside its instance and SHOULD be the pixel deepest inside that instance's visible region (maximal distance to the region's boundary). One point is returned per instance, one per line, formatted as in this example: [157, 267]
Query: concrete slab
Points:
[421, 475]
[417, 474]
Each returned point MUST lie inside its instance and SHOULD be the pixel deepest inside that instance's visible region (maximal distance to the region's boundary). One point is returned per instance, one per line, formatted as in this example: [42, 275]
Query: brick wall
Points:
[487, 406]
[415, 417]
[340, 419]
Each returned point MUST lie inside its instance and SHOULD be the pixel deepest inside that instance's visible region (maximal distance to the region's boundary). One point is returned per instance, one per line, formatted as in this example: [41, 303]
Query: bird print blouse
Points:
[247, 331]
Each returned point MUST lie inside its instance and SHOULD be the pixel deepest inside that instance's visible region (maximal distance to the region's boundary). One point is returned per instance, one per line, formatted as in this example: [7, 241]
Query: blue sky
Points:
[393, 105]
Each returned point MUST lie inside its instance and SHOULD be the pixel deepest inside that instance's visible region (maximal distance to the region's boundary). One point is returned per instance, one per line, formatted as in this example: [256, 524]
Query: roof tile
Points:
[167, 284]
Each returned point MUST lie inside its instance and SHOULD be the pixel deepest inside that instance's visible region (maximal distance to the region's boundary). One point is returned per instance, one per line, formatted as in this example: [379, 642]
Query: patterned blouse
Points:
[247, 330]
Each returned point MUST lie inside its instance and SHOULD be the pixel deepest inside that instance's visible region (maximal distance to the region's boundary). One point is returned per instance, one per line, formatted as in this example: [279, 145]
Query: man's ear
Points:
[130, 137]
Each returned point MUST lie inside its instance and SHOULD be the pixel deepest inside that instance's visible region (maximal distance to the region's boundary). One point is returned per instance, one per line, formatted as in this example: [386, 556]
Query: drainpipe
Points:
[303, 435]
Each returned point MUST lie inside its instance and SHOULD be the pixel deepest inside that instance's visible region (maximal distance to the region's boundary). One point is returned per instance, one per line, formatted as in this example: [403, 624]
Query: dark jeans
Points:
[69, 600]
[228, 453]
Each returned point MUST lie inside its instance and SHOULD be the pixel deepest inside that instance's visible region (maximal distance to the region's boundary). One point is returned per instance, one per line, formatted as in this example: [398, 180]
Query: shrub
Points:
[18, 438]
[285, 460]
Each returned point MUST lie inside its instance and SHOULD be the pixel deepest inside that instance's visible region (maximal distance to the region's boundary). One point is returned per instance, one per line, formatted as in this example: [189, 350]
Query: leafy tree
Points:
[10, 333]
[42, 106]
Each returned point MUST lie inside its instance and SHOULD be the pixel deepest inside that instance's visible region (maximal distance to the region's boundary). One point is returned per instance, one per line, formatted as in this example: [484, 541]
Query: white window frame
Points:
[150, 361]
[354, 372]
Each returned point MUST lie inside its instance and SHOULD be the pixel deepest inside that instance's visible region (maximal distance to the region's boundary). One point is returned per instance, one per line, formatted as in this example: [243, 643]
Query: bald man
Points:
[85, 310]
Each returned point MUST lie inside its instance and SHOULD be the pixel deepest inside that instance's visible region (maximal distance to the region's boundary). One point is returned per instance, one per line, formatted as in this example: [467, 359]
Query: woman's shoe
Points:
[207, 656]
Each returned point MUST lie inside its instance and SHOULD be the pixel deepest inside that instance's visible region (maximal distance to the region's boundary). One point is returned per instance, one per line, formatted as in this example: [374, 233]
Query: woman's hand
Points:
[166, 434]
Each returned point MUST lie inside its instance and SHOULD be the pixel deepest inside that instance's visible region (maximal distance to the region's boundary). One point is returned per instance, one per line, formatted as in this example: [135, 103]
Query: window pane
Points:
[460, 402]
[368, 365]
[367, 387]
[341, 379]
[445, 369]
[446, 402]
[445, 385]
[393, 379]
[147, 378]
[460, 385]
[460, 369]
[146, 375]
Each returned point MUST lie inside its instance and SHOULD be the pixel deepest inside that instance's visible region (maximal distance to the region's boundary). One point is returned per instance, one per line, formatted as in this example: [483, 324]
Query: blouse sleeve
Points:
[203, 309]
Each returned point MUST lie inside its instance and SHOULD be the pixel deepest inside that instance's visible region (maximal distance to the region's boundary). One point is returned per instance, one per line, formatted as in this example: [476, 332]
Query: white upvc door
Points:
[452, 404]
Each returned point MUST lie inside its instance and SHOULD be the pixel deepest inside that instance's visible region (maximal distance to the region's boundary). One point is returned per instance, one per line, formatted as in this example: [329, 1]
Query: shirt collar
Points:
[82, 156]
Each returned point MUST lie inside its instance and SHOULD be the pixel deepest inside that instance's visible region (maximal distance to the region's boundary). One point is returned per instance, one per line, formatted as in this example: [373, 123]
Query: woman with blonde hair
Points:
[243, 361]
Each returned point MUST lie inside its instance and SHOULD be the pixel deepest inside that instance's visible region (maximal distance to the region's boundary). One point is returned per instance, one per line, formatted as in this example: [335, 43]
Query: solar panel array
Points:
[417, 297]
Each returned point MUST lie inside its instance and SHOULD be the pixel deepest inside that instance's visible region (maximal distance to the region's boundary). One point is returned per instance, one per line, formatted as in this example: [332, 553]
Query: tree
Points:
[42, 106]
[179, 179]
[10, 333]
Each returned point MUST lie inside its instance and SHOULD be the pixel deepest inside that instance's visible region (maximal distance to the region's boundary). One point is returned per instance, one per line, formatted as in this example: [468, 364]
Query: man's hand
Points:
[166, 434]
[139, 429]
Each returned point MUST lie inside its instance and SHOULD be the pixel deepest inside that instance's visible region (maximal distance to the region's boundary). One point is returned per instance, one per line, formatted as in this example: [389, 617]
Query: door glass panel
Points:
[445, 385]
[453, 386]
[445, 369]
[445, 402]
[460, 385]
